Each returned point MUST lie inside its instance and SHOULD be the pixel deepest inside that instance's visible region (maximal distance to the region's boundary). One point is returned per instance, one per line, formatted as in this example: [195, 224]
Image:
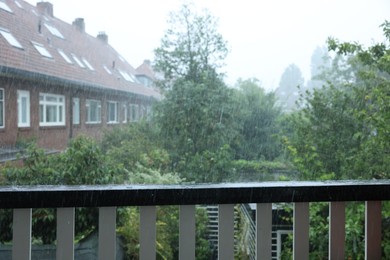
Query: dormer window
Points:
[10, 38]
[42, 50]
[5, 7]
[54, 31]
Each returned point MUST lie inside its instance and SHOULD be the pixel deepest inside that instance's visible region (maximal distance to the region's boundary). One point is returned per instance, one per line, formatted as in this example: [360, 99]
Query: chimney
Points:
[45, 8]
[80, 24]
[103, 37]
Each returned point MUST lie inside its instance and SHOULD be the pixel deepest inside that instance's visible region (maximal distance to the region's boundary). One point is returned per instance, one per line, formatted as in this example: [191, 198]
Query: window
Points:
[88, 64]
[51, 110]
[112, 112]
[1, 108]
[18, 4]
[78, 61]
[42, 50]
[126, 76]
[124, 114]
[66, 58]
[5, 7]
[107, 70]
[54, 31]
[10, 38]
[134, 112]
[23, 108]
[76, 111]
[93, 110]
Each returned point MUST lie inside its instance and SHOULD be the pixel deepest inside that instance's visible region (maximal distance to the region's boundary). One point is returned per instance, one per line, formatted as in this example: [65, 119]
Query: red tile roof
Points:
[24, 24]
[146, 69]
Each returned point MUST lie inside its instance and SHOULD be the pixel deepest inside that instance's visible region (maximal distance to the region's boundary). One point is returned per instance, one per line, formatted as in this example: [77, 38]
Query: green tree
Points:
[190, 46]
[258, 121]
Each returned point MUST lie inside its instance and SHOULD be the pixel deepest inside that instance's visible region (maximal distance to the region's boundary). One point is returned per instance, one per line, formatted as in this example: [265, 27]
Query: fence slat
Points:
[21, 240]
[147, 233]
[187, 232]
[65, 233]
[336, 230]
[226, 231]
[263, 231]
[373, 230]
[107, 233]
[301, 231]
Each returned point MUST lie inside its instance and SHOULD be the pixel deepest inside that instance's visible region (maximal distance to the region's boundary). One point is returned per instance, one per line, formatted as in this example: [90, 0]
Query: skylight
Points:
[18, 4]
[121, 58]
[54, 31]
[42, 50]
[78, 61]
[108, 71]
[88, 64]
[66, 58]
[126, 76]
[5, 7]
[10, 38]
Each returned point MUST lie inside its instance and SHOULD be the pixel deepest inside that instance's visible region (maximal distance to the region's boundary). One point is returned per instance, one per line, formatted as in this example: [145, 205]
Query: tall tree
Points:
[320, 62]
[287, 92]
[190, 46]
[258, 122]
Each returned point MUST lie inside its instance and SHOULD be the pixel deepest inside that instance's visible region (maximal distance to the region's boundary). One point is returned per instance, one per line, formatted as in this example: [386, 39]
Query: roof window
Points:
[5, 7]
[78, 61]
[66, 58]
[10, 38]
[88, 64]
[18, 4]
[42, 50]
[126, 76]
[107, 69]
[54, 31]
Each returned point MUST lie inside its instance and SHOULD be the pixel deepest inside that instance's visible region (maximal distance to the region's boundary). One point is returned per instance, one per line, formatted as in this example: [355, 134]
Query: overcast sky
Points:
[264, 36]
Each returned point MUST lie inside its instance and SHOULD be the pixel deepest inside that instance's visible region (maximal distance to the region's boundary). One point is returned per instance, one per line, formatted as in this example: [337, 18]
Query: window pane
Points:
[76, 111]
[51, 114]
[23, 110]
[1, 113]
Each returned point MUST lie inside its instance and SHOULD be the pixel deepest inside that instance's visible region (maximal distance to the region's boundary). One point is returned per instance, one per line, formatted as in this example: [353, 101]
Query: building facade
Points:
[57, 81]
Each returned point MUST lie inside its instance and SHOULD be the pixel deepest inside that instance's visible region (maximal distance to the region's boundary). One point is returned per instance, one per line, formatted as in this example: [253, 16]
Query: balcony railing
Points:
[107, 198]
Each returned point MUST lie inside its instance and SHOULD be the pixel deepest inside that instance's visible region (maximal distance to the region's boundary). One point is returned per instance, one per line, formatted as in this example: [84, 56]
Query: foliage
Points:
[258, 125]
[190, 46]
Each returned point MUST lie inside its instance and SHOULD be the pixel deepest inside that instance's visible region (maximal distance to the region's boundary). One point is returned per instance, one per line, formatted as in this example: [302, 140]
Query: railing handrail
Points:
[227, 193]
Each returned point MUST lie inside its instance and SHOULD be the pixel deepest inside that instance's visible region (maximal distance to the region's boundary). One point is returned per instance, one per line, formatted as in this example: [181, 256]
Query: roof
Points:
[32, 40]
[145, 69]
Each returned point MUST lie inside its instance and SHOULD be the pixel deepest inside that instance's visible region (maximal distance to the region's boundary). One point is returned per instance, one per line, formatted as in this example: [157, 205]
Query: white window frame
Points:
[134, 113]
[23, 122]
[42, 50]
[88, 105]
[10, 38]
[58, 103]
[2, 108]
[76, 111]
[112, 107]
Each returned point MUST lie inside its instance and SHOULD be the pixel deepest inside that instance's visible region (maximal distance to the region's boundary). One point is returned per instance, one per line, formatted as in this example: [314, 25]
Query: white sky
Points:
[264, 36]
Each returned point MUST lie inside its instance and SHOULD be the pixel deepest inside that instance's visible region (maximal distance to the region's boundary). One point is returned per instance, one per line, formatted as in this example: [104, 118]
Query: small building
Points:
[57, 81]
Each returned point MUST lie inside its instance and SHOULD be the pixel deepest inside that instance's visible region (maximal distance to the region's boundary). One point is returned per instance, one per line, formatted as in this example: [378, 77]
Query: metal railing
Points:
[108, 197]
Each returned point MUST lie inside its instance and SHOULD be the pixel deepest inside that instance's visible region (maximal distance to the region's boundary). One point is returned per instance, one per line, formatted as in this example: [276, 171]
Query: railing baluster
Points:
[65, 233]
[336, 230]
[107, 233]
[301, 231]
[147, 233]
[21, 240]
[263, 231]
[187, 232]
[226, 231]
[373, 230]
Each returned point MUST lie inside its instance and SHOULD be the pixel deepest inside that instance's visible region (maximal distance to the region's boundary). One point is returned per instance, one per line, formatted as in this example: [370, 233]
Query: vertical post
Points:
[107, 233]
[264, 231]
[65, 233]
[21, 237]
[336, 230]
[147, 233]
[226, 231]
[373, 230]
[301, 231]
[187, 232]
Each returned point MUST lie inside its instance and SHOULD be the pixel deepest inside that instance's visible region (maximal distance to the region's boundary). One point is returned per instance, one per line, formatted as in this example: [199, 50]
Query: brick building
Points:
[57, 81]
